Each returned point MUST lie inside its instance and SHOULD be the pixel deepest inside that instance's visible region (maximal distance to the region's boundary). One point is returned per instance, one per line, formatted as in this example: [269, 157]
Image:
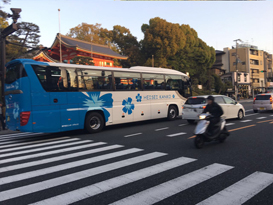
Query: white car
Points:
[263, 102]
[194, 106]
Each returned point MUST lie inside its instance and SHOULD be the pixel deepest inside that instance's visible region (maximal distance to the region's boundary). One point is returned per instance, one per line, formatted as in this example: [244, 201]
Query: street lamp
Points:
[236, 82]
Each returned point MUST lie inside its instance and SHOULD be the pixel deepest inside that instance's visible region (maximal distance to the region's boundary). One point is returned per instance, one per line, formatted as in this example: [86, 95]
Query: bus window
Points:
[173, 82]
[153, 82]
[127, 81]
[51, 78]
[14, 72]
[95, 80]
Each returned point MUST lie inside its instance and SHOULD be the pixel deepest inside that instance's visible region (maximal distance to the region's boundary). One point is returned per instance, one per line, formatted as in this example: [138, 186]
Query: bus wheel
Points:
[172, 113]
[94, 122]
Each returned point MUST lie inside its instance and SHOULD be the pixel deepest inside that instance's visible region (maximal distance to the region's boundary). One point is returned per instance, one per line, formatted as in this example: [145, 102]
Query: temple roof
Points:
[44, 55]
[87, 46]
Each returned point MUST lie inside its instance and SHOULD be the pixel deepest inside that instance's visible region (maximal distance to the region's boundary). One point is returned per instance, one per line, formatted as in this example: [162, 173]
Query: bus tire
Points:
[172, 113]
[94, 122]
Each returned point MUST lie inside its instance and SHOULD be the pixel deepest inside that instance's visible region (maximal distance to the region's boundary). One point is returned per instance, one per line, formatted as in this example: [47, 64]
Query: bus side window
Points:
[174, 82]
[127, 81]
[153, 82]
[14, 72]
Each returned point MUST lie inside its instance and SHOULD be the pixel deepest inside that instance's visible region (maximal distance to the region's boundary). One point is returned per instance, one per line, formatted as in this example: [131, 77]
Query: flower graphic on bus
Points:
[138, 97]
[173, 96]
[95, 101]
[16, 111]
[128, 106]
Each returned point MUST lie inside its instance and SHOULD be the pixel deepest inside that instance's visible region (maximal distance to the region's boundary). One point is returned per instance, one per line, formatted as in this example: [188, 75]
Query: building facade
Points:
[102, 55]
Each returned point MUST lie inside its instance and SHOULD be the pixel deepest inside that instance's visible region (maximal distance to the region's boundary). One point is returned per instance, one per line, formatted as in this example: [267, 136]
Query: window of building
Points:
[261, 62]
[243, 63]
[153, 82]
[127, 81]
[258, 80]
[261, 53]
[239, 78]
[245, 79]
[234, 63]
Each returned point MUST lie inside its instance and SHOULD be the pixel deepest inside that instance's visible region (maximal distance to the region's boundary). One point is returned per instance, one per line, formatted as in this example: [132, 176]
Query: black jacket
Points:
[214, 109]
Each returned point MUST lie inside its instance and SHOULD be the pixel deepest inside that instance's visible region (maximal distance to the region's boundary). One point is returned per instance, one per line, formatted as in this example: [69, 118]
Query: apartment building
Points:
[269, 70]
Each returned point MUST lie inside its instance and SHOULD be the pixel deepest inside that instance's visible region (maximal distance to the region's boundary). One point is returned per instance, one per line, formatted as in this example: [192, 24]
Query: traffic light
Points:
[263, 71]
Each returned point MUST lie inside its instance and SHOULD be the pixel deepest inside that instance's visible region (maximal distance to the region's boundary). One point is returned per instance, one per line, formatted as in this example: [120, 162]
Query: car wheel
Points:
[191, 121]
[240, 114]
[172, 113]
[255, 111]
[94, 122]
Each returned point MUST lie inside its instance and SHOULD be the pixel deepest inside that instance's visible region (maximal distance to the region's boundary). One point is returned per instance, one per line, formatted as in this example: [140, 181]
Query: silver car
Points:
[263, 102]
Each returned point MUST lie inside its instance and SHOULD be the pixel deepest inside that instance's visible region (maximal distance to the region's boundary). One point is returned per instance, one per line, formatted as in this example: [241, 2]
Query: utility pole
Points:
[236, 82]
[4, 33]
[60, 38]
[152, 60]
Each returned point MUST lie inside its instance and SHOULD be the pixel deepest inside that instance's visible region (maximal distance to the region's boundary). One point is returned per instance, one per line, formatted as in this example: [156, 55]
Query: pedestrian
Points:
[2, 118]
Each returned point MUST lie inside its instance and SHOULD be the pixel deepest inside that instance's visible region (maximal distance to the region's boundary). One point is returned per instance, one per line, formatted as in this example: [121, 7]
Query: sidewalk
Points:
[245, 100]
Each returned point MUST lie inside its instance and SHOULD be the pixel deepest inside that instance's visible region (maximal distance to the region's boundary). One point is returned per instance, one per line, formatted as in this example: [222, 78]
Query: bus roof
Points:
[140, 69]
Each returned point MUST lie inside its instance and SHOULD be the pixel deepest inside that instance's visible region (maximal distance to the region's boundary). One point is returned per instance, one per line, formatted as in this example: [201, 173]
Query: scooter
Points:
[219, 133]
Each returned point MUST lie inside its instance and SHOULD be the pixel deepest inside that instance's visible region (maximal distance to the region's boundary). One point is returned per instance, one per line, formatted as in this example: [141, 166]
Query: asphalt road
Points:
[151, 162]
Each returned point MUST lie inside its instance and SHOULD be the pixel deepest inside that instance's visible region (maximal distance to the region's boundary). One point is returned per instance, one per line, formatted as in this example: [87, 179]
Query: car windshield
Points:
[196, 101]
[262, 97]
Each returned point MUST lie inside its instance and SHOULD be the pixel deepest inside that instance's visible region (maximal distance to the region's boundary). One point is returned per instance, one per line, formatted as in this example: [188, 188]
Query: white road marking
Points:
[241, 191]
[55, 159]
[251, 114]
[32, 142]
[19, 137]
[32, 188]
[44, 148]
[36, 145]
[259, 118]
[133, 134]
[164, 128]
[100, 187]
[182, 125]
[172, 187]
[41, 154]
[246, 120]
[177, 134]
[20, 134]
[228, 124]
[57, 168]
[248, 110]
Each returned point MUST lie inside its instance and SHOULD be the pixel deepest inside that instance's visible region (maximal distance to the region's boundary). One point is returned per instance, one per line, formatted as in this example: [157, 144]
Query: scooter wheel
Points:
[199, 141]
[222, 138]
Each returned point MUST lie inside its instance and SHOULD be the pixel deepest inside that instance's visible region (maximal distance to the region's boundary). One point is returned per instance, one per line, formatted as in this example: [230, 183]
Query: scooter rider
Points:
[215, 110]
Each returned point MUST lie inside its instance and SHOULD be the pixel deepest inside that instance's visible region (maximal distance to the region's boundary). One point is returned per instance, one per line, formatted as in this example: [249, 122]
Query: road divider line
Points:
[133, 134]
[251, 114]
[61, 167]
[192, 137]
[177, 134]
[246, 120]
[228, 124]
[249, 110]
[107, 185]
[265, 121]
[41, 154]
[43, 185]
[44, 148]
[259, 118]
[241, 191]
[55, 159]
[164, 128]
[36, 145]
[182, 125]
[175, 186]
[240, 128]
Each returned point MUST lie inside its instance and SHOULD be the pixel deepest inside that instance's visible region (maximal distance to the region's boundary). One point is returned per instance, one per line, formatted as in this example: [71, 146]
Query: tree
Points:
[3, 14]
[26, 35]
[82, 60]
[177, 47]
[126, 44]
[90, 33]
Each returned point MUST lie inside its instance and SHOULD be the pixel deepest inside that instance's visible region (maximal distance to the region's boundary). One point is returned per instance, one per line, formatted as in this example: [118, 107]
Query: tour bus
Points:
[56, 97]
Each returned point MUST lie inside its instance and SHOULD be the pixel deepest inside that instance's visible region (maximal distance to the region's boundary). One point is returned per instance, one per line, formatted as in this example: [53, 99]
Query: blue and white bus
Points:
[56, 97]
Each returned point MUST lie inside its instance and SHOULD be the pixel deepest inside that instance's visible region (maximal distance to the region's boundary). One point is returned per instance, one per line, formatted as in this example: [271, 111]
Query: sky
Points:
[217, 23]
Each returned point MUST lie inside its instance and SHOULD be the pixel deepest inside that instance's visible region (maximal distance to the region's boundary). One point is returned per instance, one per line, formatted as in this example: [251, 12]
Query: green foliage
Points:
[3, 23]
[116, 62]
[82, 60]
[177, 47]
[3, 14]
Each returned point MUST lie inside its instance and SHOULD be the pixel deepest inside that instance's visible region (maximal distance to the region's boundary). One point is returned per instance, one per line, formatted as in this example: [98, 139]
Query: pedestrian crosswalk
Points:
[58, 164]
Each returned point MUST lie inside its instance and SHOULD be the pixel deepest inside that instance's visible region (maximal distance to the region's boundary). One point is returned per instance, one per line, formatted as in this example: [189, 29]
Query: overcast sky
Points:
[217, 23]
